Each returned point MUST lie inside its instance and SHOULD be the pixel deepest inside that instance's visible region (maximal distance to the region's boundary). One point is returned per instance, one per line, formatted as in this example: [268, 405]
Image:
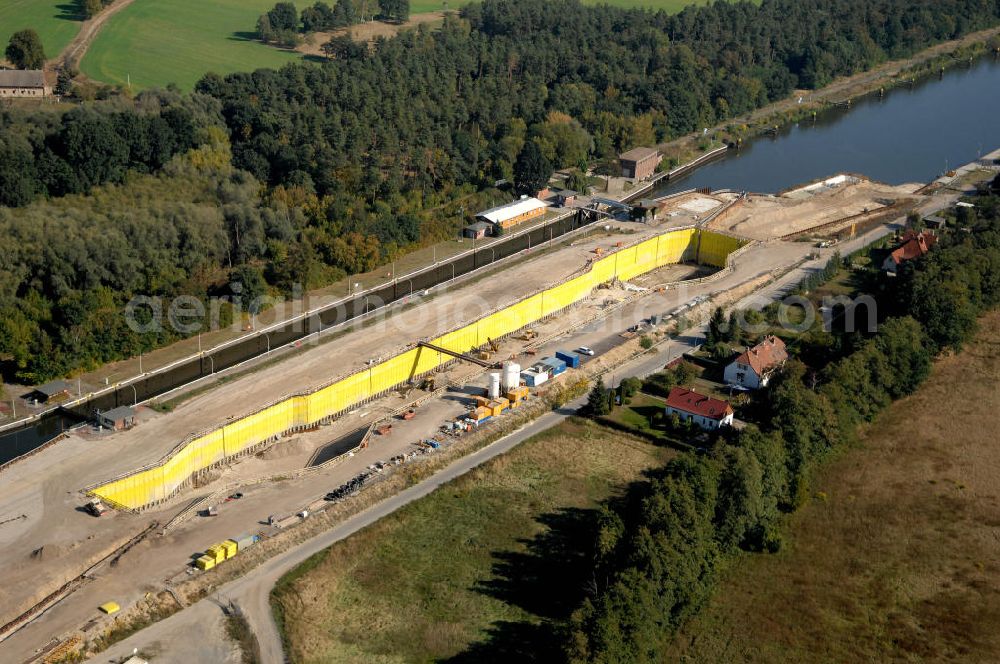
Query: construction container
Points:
[480, 400]
[245, 540]
[231, 548]
[572, 360]
[555, 366]
[110, 608]
[498, 406]
[494, 390]
[511, 375]
[205, 563]
[217, 552]
[480, 413]
[534, 378]
[517, 395]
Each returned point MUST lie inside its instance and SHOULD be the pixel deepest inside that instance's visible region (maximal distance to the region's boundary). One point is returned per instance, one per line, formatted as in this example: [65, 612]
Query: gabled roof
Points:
[913, 245]
[53, 388]
[766, 355]
[502, 213]
[698, 404]
[22, 78]
[638, 154]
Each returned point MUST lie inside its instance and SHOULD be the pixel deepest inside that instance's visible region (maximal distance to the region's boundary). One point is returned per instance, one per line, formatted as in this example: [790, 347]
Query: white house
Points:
[754, 367]
[706, 412]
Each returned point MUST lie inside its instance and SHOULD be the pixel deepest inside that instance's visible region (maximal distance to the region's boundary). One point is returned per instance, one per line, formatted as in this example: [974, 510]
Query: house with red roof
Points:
[912, 245]
[706, 412]
[755, 366]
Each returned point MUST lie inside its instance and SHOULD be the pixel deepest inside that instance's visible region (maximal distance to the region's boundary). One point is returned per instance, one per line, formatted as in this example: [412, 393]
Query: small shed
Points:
[117, 419]
[477, 230]
[57, 390]
[566, 197]
[639, 163]
[935, 221]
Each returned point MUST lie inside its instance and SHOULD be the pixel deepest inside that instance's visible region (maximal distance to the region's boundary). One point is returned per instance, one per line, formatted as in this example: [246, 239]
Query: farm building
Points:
[639, 163]
[754, 367]
[23, 83]
[117, 419]
[912, 245]
[512, 214]
[706, 412]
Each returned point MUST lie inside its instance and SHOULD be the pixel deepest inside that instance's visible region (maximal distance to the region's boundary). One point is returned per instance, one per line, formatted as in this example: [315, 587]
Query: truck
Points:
[95, 507]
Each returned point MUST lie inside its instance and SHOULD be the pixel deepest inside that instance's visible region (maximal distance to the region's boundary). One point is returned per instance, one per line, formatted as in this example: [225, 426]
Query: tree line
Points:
[659, 553]
[283, 24]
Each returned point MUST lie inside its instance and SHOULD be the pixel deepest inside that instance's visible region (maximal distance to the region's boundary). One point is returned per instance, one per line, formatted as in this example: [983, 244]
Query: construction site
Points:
[821, 210]
[124, 515]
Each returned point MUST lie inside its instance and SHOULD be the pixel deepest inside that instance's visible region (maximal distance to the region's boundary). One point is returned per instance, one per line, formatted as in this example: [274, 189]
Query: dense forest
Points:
[660, 552]
[332, 168]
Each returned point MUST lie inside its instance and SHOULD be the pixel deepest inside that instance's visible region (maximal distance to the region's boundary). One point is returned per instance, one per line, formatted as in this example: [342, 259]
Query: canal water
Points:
[911, 135]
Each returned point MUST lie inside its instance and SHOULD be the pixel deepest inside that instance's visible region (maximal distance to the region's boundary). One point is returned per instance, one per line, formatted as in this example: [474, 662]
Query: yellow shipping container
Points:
[480, 413]
[205, 563]
[217, 552]
[231, 548]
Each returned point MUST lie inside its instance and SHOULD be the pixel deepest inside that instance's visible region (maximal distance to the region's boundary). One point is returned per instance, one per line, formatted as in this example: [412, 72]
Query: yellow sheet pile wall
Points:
[157, 482]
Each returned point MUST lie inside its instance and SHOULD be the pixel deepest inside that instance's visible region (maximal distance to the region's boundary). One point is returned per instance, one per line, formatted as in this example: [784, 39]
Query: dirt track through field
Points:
[73, 53]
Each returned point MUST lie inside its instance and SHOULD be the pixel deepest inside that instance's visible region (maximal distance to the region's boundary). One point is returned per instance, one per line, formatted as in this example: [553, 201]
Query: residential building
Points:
[911, 245]
[23, 83]
[706, 412]
[639, 163]
[512, 214]
[755, 366]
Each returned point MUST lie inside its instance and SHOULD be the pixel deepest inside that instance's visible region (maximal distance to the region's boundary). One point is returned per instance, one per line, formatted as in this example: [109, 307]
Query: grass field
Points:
[154, 43]
[55, 21]
[471, 572]
[896, 559]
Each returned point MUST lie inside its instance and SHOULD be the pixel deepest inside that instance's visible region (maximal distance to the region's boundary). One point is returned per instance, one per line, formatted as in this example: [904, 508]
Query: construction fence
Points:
[157, 482]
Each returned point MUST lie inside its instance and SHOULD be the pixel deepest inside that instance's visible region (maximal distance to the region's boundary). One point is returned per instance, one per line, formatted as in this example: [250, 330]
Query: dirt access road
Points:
[73, 53]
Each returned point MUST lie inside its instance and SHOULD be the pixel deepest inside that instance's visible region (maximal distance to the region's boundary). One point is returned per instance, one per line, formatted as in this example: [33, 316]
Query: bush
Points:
[646, 342]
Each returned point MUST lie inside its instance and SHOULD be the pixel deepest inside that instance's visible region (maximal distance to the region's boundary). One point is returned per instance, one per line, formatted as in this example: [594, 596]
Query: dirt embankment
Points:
[367, 32]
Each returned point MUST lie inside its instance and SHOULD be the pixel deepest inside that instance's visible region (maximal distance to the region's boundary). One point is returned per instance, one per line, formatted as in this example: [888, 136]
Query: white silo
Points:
[494, 386]
[511, 376]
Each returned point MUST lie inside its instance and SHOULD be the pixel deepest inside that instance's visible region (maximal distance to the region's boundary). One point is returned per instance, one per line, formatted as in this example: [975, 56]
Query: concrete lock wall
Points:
[158, 481]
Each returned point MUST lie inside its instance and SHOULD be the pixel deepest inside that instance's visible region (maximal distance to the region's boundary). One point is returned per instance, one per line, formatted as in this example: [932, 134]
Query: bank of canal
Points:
[909, 135]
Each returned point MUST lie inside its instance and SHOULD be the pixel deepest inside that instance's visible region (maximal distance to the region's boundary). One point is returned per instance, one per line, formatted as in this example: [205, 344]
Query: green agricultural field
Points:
[154, 43]
[55, 21]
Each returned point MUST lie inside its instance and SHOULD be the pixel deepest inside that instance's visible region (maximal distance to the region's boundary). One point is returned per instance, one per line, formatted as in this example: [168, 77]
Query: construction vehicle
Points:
[428, 384]
[494, 346]
[95, 507]
[407, 415]
[528, 335]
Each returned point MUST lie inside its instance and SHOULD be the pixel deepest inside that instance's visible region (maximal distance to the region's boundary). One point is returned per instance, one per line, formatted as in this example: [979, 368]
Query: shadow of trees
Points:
[547, 579]
[71, 11]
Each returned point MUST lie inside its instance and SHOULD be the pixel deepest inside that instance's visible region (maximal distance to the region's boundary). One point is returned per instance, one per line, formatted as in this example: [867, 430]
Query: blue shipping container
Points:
[572, 360]
[557, 366]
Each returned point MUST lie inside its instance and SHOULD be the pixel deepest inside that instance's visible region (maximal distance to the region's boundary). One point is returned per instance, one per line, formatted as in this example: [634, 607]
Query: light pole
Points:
[140, 362]
[212, 360]
[135, 395]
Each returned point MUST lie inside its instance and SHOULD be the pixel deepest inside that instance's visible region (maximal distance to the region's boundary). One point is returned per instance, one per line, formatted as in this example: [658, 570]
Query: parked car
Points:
[583, 350]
